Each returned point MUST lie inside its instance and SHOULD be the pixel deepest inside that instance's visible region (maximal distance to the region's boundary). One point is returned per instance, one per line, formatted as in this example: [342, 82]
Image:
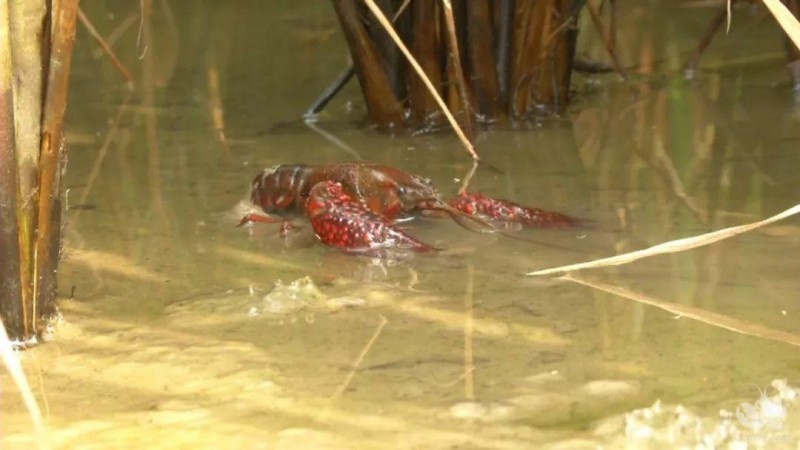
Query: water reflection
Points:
[458, 349]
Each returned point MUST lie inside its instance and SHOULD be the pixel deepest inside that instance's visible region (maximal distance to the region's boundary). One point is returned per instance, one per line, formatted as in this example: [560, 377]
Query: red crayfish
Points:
[341, 222]
[353, 205]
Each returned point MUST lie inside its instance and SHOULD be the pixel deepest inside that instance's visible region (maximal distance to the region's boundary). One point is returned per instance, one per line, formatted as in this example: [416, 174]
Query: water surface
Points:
[167, 340]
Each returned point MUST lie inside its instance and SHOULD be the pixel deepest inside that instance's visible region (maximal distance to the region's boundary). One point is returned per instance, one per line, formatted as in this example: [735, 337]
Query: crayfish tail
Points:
[507, 212]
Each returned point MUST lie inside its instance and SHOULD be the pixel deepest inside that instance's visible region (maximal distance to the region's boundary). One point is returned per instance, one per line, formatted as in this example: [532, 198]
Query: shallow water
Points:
[167, 339]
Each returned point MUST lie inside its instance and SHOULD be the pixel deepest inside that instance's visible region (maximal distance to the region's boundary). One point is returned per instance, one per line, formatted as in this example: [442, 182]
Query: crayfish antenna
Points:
[462, 218]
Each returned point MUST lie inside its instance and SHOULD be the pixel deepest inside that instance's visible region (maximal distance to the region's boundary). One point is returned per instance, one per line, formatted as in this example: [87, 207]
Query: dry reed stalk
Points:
[382, 19]
[11, 361]
[52, 159]
[341, 80]
[456, 71]
[705, 40]
[786, 20]
[215, 107]
[106, 48]
[482, 63]
[389, 55]
[662, 164]
[469, 360]
[384, 108]
[11, 307]
[607, 38]
[468, 178]
[116, 33]
[675, 246]
[357, 363]
[793, 51]
[542, 63]
[691, 312]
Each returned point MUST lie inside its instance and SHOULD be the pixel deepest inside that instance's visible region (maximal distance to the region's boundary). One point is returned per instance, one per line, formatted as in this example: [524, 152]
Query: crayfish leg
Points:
[286, 228]
[253, 217]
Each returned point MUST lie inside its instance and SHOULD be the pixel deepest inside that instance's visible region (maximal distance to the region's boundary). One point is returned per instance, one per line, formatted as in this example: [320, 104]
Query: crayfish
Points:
[353, 206]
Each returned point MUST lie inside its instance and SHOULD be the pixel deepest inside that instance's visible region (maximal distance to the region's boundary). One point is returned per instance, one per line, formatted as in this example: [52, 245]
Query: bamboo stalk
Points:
[384, 108]
[11, 306]
[454, 63]
[52, 160]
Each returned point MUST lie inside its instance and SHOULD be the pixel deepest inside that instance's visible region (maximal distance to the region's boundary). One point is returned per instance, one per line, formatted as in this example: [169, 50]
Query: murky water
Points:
[169, 338]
